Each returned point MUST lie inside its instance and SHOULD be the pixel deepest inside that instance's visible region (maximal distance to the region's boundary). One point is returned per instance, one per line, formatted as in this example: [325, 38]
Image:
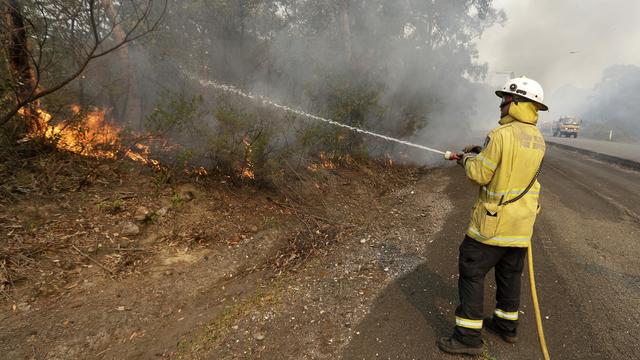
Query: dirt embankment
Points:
[103, 260]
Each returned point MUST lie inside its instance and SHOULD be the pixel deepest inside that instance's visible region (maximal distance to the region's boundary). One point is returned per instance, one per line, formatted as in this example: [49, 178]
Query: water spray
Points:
[448, 155]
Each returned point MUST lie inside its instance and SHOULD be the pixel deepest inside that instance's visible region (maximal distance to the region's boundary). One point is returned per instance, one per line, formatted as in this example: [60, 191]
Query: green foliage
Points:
[348, 99]
[242, 140]
[176, 200]
[221, 135]
[184, 156]
[162, 177]
[173, 113]
[269, 221]
[113, 206]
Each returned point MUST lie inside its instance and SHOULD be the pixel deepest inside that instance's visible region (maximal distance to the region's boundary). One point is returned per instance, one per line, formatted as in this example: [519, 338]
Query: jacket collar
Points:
[525, 112]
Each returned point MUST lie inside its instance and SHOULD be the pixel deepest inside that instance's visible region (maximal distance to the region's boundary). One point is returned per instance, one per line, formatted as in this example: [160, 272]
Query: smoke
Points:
[420, 71]
[584, 53]
[406, 69]
[609, 105]
[563, 43]
[613, 105]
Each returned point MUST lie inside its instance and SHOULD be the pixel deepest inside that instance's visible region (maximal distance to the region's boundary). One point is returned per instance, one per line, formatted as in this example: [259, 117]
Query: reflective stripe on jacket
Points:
[503, 169]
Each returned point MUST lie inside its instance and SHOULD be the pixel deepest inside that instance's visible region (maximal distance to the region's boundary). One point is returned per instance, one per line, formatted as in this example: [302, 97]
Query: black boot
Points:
[492, 327]
[452, 346]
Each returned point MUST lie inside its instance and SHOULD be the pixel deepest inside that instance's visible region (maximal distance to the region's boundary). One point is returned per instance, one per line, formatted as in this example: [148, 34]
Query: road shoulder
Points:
[619, 160]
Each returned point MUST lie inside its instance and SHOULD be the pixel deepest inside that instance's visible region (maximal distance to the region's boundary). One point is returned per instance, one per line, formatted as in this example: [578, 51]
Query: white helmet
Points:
[526, 88]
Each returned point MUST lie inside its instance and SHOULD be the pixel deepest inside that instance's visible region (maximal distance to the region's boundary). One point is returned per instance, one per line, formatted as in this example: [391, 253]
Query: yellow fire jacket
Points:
[510, 159]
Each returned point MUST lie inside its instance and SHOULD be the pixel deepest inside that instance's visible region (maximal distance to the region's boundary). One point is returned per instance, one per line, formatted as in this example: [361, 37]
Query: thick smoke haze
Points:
[423, 71]
[571, 47]
[405, 69]
[563, 42]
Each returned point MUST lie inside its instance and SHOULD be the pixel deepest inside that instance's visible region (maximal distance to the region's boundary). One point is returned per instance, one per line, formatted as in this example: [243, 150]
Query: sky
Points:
[561, 43]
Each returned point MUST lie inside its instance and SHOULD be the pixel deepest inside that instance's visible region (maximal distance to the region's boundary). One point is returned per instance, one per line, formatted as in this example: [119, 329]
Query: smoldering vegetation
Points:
[407, 69]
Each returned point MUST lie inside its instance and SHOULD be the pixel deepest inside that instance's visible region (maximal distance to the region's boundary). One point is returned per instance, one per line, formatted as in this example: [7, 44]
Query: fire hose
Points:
[536, 307]
[449, 155]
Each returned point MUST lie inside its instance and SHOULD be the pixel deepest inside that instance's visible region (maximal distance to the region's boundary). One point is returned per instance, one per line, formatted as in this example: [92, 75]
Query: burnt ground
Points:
[357, 262]
[101, 260]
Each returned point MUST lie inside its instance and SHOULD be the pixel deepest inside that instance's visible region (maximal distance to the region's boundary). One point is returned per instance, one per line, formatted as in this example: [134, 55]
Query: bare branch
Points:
[94, 27]
[141, 27]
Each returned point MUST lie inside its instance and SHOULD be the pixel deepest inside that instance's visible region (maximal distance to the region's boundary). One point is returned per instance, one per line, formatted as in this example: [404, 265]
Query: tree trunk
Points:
[16, 46]
[345, 24]
[132, 106]
[17, 49]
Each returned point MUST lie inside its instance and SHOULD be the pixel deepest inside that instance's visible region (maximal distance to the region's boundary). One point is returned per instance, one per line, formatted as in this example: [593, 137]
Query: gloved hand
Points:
[472, 149]
[464, 157]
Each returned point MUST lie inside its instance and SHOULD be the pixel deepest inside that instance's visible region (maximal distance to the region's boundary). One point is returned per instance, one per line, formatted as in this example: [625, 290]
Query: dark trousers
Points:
[474, 262]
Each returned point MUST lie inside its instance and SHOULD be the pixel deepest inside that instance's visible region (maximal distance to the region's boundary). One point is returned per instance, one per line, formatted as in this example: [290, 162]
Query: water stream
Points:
[266, 101]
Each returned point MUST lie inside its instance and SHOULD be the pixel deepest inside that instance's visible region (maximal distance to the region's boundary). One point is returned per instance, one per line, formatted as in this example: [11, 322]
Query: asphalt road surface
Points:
[620, 150]
[586, 251]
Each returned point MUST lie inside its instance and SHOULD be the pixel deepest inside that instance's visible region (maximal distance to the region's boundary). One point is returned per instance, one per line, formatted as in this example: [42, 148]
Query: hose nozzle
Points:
[450, 155]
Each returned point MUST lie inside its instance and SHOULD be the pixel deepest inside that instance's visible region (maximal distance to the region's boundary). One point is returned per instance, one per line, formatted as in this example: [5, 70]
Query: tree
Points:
[132, 106]
[613, 104]
[83, 30]
[16, 48]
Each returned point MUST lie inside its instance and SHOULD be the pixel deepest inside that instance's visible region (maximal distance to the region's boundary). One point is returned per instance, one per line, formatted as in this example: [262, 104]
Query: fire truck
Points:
[566, 126]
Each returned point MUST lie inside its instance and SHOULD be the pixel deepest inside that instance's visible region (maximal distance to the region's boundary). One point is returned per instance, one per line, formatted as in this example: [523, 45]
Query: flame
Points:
[388, 160]
[348, 159]
[200, 171]
[88, 135]
[91, 136]
[247, 170]
[325, 163]
[142, 154]
[248, 173]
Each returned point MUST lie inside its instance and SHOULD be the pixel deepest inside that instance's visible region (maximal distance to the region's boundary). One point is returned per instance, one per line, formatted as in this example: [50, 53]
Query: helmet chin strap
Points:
[514, 99]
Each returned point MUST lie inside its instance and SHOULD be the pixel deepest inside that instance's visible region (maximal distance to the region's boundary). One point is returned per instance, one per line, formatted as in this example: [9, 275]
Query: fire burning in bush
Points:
[324, 163]
[247, 169]
[248, 173]
[87, 133]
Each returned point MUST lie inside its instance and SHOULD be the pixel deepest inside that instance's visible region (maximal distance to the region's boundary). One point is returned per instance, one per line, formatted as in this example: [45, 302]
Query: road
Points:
[620, 150]
[586, 254]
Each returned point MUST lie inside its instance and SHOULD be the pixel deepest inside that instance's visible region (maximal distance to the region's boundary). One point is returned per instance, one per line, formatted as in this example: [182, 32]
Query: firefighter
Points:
[501, 226]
